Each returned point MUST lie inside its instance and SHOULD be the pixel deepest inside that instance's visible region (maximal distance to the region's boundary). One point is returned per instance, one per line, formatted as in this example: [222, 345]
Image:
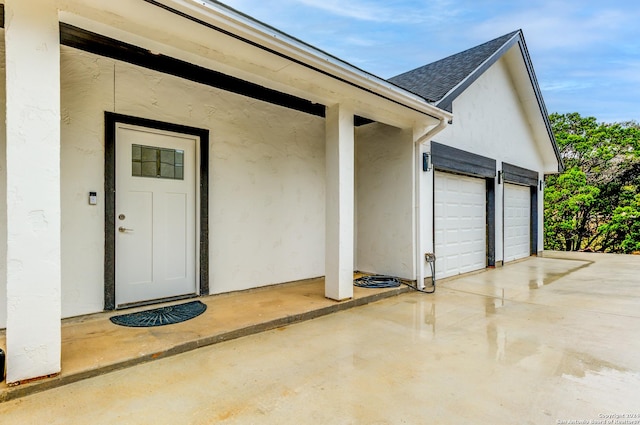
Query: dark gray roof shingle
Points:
[435, 80]
[442, 81]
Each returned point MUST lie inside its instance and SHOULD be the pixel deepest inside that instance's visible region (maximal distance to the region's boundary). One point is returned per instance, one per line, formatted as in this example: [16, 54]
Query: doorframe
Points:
[513, 174]
[111, 120]
[457, 161]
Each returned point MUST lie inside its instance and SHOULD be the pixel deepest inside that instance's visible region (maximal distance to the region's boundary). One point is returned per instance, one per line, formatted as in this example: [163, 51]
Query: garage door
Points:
[517, 222]
[460, 224]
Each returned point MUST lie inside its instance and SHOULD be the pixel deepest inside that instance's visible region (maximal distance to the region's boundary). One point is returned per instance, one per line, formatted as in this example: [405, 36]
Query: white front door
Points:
[517, 222]
[460, 224]
[155, 214]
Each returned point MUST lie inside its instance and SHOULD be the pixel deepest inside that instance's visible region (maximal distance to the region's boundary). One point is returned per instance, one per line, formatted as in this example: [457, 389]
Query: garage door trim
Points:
[525, 177]
[448, 159]
[518, 175]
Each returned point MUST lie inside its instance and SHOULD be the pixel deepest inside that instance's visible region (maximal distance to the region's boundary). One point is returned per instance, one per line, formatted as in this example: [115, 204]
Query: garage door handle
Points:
[124, 229]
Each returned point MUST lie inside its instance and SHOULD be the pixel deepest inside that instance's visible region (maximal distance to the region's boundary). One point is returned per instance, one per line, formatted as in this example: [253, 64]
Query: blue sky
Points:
[586, 53]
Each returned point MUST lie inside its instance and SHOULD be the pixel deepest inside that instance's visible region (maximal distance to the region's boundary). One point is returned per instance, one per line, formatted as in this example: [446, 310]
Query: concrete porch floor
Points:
[92, 345]
[550, 340]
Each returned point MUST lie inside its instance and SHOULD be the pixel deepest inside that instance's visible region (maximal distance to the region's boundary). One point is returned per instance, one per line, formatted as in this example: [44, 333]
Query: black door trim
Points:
[533, 243]
[111, 119]
[491, 222]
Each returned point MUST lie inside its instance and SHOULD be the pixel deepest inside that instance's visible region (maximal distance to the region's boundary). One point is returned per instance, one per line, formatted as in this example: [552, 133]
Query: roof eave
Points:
[254, 31]
[446, 102]
[540, 99]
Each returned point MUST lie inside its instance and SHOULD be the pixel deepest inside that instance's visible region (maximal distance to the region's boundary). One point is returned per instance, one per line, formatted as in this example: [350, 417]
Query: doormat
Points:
[161, 316]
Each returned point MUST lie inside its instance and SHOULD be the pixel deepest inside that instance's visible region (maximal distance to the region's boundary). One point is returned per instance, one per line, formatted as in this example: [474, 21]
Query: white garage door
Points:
[517, 222]
[460, 224]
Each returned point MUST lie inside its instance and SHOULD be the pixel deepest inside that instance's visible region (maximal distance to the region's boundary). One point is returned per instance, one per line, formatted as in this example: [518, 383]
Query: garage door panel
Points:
[517, 222]
[460, 224]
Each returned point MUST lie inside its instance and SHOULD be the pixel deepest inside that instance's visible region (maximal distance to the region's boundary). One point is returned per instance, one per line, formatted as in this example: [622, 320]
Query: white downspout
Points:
[418, 176]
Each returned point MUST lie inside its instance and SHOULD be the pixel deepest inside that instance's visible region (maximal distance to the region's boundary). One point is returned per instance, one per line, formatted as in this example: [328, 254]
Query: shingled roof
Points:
[438, 79]
[442, 81]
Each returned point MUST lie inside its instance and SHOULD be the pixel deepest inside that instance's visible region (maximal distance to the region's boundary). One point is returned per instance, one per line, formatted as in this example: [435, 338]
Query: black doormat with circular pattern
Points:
[161, 316]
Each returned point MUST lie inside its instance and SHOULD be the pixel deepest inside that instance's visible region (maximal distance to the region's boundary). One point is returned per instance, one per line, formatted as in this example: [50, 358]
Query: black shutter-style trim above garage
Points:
[446, 158]
[519, 175]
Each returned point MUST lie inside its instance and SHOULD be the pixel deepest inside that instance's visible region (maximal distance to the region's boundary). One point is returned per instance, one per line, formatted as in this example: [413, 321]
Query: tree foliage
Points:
[595, 203]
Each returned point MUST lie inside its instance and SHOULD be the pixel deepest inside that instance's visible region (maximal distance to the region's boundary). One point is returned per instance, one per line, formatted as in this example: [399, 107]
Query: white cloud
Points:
[360, 41]
[626, 71]
[565, 85]
[554, 25]
[398, 11]
[585, 52]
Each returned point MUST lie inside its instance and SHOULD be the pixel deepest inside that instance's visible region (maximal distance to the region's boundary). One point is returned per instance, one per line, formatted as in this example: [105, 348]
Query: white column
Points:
[339, 240]
[33, 189]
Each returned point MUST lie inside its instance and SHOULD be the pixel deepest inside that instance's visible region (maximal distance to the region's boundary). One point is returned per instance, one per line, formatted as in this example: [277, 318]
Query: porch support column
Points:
[33, 189]
[339, 240]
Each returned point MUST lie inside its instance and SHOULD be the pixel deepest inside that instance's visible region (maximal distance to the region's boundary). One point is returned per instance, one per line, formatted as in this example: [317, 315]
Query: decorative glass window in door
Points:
[162, 163]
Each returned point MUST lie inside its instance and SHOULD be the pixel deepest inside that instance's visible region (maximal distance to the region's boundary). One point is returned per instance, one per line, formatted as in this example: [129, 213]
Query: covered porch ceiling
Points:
[210, 41]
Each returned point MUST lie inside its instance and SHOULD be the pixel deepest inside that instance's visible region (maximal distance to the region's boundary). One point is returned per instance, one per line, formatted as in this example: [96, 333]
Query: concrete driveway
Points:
[543, 341]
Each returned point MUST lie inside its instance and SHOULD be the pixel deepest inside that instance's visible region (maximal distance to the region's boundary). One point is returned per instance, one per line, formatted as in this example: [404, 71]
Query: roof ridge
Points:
[479, 46]
[435, 80]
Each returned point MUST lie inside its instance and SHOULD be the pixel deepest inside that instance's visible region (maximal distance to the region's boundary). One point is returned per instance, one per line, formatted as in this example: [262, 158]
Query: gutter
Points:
[219, 17]
[420, 249]
[224, 19]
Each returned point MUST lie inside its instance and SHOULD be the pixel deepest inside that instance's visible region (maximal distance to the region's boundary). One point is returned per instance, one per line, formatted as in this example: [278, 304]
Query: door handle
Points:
[124, 229]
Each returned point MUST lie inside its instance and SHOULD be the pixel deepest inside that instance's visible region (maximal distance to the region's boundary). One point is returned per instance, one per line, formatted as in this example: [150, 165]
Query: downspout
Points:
[425, 138]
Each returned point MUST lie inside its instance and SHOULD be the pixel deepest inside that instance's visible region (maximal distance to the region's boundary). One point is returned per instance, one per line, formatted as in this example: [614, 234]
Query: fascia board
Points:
[242, 26]
[447, 99]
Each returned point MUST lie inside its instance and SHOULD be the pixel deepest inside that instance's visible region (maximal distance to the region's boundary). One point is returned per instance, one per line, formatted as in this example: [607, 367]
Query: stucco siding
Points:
[3, 188]
[489, 120]
[384, 199]
[266, 183]
[86, 92]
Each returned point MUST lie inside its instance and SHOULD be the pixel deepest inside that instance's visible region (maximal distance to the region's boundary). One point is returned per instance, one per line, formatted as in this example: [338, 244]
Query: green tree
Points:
[568, 204]
[622, 232]
[590, 205]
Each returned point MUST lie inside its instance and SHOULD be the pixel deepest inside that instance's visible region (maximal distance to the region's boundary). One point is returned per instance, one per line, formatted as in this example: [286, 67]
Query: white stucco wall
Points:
[384, 197]
[3, 189]
[266, 186]
[490, 121]
[87, 91]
